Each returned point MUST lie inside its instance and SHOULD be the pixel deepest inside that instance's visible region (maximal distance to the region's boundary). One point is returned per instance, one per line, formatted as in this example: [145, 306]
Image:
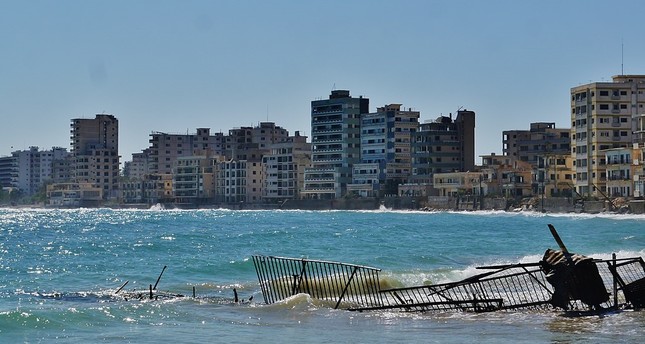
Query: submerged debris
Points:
[561, 279]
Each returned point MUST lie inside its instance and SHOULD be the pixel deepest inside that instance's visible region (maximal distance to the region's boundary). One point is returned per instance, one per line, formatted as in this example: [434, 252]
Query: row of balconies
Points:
[328, 139]
[327, 129]
[334, 148]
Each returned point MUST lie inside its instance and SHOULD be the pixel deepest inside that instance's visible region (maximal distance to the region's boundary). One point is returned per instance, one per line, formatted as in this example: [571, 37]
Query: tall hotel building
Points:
[604, 115]
[95, 152]
[335, 137]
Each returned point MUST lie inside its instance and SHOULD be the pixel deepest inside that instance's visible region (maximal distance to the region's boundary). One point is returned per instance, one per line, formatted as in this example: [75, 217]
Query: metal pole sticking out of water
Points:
[158, 278]
[557, 239]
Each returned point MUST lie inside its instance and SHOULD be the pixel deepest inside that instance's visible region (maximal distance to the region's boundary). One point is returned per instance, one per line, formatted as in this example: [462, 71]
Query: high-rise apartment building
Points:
[604, 115]
[335, 135]
[386, 158]
[95, 153]
[444, 145]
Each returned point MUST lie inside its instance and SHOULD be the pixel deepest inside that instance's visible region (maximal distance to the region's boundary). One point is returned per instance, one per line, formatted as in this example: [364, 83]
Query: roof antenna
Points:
[622, 56]
[333, 88]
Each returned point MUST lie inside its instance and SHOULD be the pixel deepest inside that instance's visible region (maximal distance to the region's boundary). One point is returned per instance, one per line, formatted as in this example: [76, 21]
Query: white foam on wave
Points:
[446, 275]
[536, 214]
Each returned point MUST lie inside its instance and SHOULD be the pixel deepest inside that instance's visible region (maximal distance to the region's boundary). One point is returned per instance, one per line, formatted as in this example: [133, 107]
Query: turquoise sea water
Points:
[57, 268]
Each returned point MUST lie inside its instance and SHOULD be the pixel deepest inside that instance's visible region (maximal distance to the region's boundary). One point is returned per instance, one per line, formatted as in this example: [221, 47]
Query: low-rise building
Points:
[505, 176]
[150, 189]
[456, 184]
[553, 176]
[625, 171]
[74, 195]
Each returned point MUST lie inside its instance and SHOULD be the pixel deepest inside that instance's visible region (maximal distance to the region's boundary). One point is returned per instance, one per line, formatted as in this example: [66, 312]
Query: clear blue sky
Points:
[174, 66]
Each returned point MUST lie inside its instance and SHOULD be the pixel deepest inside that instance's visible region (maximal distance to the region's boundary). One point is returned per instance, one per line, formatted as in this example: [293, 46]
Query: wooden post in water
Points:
[151, 292]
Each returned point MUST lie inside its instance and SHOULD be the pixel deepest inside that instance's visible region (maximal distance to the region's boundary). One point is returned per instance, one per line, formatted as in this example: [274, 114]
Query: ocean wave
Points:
[536, 214]
[446, 275]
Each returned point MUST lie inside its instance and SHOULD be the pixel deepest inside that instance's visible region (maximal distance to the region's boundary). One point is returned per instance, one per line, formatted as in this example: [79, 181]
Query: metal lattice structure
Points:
[503, 287]
[350, 284]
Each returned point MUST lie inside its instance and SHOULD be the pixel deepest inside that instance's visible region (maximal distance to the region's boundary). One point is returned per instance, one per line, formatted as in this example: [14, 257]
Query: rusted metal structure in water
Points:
[576, 282]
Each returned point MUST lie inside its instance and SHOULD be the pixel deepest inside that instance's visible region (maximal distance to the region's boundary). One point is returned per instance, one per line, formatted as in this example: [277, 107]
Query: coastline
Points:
[535, 204]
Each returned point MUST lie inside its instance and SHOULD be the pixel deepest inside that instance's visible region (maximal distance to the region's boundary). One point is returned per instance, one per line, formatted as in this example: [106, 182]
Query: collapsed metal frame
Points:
[502, 287]
[505, 287]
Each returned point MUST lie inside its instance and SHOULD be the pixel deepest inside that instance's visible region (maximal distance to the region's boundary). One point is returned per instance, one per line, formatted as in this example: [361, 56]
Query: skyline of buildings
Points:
[353, 152]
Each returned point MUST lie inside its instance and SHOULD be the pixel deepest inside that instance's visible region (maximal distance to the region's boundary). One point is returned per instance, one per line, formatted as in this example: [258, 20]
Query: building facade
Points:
[33, 168]
[541, 139]
[193, 179]
[239, 182]
[251, 143]
[166, 148]
[7, 170]
[284, 169]
[386, 159]
[335, 135]
[604, 115]
[95, 153]
[138, 167]
[444, 145]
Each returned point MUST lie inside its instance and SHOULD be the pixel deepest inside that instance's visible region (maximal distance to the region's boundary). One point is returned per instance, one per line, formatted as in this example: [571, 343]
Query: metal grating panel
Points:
[350, 284]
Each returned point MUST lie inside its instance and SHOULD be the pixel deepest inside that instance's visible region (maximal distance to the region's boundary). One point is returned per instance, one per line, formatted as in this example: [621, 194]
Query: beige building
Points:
[284, 169]
[193, 179]
[455, 184]
[625, 171]
[554, 175]
[95, 153]
[506, 176]
[604, 115]
[166, 148]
